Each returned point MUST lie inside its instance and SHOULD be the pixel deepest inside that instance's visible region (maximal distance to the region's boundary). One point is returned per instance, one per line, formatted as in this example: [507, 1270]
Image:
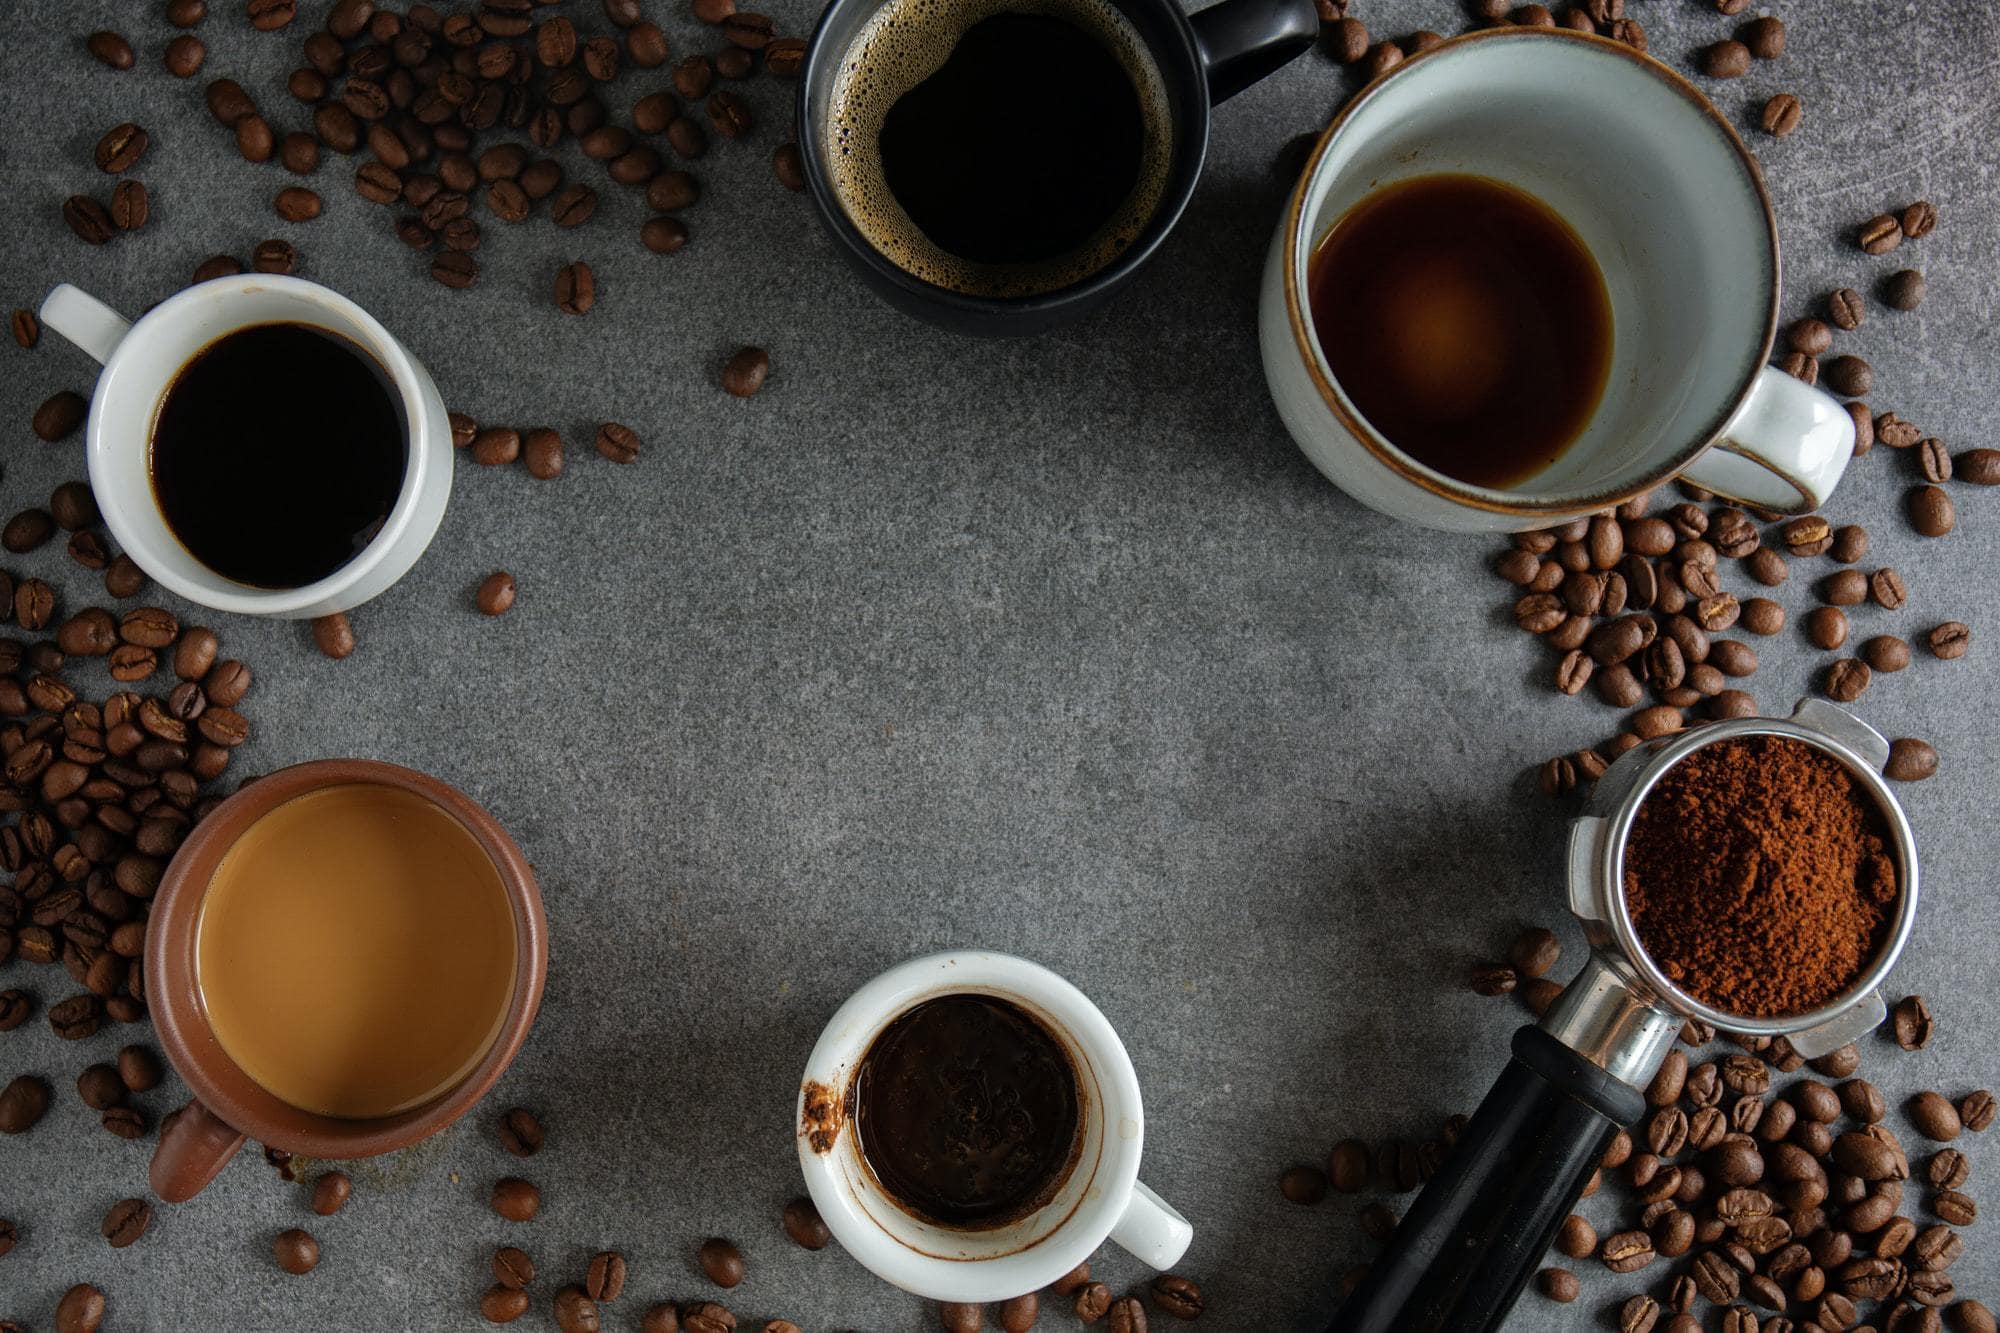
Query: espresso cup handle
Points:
[194, 1147]
[1784, 450]
[85, 321]
[1151, 1231]
[1241, 41]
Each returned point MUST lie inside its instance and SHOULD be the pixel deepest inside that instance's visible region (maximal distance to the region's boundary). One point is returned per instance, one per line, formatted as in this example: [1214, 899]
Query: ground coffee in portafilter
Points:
[1758, 876]
[1001, 147]
[967, 1111]
[277, 454]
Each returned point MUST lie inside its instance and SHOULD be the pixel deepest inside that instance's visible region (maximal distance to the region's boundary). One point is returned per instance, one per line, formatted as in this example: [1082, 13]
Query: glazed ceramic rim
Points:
[1437, 483]
[173, 995]
[1866, 777]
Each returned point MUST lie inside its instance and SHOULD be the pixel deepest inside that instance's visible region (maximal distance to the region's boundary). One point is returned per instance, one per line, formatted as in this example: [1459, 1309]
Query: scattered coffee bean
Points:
[138, 1069]
[788, 165]
[1725, 60]
[1303, 1185]
[100, 1087]
[184, 56]
[1781, 114]
[496, 446]
[961, 1317]
[745, 371]
[575, 1312]
[120, 149]
[126, 1222]
[1177, 1296]
[81, 1309]
[1845, 680]
[618, 443]
[1911, 760]
[1849, 376]
[1931, 511]
[1886, 653]
[111, 49]
[1935, 1117]
[59, 415]
[455, 269]
[296, 1251]
[333, 635]
[27, 329]
[1558, 1284]
[1765, 37]
[1910, 1023]
[515, 1199]
[1826, 627]
[1880, 234]
[663, 235]
[1918, 219]
[131, 205]
[503, 1305]
[805, 1226]
[1887, 590]
[576, 288]
[1981, 467]
[604, 1278]
[721, 1261]
[496, 594]
[1903, 290]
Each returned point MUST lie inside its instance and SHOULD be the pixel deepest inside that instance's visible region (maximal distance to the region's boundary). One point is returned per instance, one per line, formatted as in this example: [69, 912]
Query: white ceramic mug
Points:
[141, 361]
[1101, 1198]
[1672, 207]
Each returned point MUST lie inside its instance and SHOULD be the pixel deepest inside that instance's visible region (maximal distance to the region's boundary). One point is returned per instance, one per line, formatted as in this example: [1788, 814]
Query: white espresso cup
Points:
[141, 361]
[1101, 1198]
[1673, 209]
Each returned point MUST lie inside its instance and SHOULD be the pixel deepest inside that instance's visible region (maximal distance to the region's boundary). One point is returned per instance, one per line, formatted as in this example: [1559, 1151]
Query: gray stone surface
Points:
[1057, 647]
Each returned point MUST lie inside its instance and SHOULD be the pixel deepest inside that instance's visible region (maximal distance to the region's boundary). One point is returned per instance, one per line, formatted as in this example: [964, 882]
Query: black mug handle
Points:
[1482, 1226]
[1243, 40]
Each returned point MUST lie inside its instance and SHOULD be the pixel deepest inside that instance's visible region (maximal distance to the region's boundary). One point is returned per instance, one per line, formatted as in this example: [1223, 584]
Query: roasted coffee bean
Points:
[378, 183]
[808, 1231]
[1981, 467]
[1880, 234]
[1177, 1296]
[617, 442]
[184, 56]
[576, 288]
[1126, 1316]
[23, 1103]
[100, 1087]
[1781, 114]
[573, 206]
[59, 415]
[332, 634]
[686, 137]
[1846, 309]
[300, 153]
[1949, 640]
[1887, 589]
[1558, 1284]
[729, 114]
[125, 1122]
[495, 446]
[512, 1268]
[1725, 60]
[217, 266]
[274, 256]
[1809, 335]
[1934, 1116]
[1931, 511]
[81, 1309]
[455, 269]
[1299, 1184]
[1846, 680]
[111, 49]
[330, 1193]
[1918, 219]
[1910, 1022]
[496, 594]
[515, 1199]
[605, 1276]
[663, 235]
[744, 373]
[131, 205]
[15, 1007]
[1826, 627]
[1627, 1251]
[503, 1305]
[26, 328]
[1765, 37]
[1849, 376]
[788, 165]
[1903, 290]
[721, 1261]
[120, 148]
[1493, 980]
[296, 1251]
[126, 1222]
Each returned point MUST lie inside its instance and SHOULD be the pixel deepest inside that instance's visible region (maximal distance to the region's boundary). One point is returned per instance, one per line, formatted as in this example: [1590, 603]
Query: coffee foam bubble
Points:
[905, 43]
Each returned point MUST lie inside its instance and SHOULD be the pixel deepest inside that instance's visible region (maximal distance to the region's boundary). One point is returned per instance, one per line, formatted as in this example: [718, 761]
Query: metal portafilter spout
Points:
[1481, 1227]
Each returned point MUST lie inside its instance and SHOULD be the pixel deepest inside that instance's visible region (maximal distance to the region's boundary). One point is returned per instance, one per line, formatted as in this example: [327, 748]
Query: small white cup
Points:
[1101, 1198]
[1673, 208]
[140, 363]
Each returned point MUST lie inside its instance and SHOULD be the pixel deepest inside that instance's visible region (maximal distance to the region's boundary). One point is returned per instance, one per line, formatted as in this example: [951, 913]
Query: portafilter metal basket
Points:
[1480, 1228]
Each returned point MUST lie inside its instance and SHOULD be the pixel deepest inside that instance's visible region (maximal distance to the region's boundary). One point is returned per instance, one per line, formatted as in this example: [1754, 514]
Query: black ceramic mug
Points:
[1201, 59]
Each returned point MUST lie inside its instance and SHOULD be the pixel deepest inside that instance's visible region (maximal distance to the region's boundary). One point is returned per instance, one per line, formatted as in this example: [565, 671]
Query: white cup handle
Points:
[85, 321]
[1151, 1231]
[1784, 450]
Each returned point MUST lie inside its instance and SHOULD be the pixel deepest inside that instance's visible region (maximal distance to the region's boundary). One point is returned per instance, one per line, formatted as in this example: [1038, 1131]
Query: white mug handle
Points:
[1784, 450]
[1151, 1231]
[85, 321]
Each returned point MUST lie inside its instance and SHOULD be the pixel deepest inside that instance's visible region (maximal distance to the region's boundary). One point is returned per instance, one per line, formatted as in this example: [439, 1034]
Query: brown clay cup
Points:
[198, 1140]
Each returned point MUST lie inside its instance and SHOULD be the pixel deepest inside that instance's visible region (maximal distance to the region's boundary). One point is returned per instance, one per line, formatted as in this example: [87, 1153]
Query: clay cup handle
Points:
[194, 1147]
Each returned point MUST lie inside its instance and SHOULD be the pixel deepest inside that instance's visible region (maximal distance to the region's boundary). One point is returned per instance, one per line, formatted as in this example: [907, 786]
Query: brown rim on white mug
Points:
[198, 1140]
[1402, 464]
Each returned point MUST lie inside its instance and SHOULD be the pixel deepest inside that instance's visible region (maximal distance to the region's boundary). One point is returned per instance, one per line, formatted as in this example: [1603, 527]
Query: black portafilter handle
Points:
[1458, 1261]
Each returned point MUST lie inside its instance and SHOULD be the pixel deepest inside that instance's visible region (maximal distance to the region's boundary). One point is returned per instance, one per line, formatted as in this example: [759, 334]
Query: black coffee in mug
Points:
[967, 1111]
[999, 147]
[1467, 321]
[277, 454]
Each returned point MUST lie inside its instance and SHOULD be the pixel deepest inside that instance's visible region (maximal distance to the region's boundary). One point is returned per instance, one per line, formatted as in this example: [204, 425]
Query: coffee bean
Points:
[512, 1269]
[1848, 587]
[1911, 760]
[88, 219]
[1886, 653]
[126, 1221]
[1558, 1284]
[1846, 309]
[1910, 1023]
[1845, 680]
[131, 205]
[332, 635]
[330, 1193]
[721, 1261]
[1934, 1117]
[274, 256]
[138, 1069]
[1919, 219]
[1627, 1251]
[573, 206]
[515, 1199]
[59, 415]
[377, 183]
[217, 266]
[1886, 588]
[496, 594]
[1880, 234]
[804, 1225]
[1826, 627]
[788, 165]
[1949, 640]
[1977, 1111]
[744, 373]
[1849, 376]
[1177, 1296]
[1303, 1185]
[605, 1276]
[100, 1087]
[1903, 290]
[1492, 980]
[26, 328]
[703, 1317]
[1931, 511]
[184, 56]
[81, 1309]
[1781, 114]
[663, 235]
[1811, 336]
[1126, 1316]
[576, 288]
[22, 1104]
[618, 443]
[111, 49]
[1725, 60]
[1347, 1166]
[1764, 36]
[455, 269]
[120, 148]
[496, 446]
[1981, 467]
[502, 1305]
